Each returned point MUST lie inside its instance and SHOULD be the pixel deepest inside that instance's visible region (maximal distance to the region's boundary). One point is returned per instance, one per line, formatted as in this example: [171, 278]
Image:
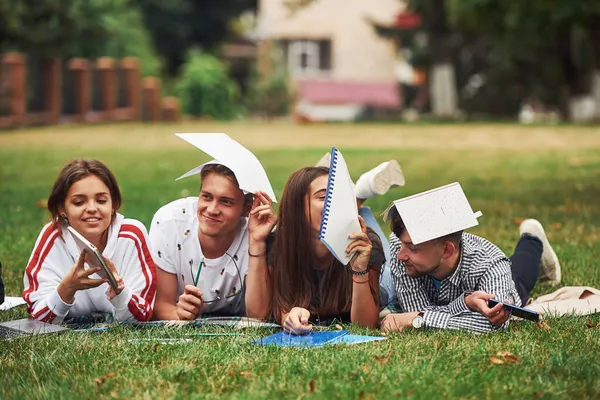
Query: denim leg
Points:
[526, 265]
[385, 281]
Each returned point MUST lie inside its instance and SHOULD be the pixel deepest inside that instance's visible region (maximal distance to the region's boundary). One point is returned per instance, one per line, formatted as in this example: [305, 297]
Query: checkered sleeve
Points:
[497, 280]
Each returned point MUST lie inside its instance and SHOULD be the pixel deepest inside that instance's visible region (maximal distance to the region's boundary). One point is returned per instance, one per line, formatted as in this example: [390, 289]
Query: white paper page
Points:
[248, 170]
[436, 213]
[10, 302]
[342, 218]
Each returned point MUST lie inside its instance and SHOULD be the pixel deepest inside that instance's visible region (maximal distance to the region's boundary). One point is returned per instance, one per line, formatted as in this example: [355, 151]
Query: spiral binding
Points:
[329, 192]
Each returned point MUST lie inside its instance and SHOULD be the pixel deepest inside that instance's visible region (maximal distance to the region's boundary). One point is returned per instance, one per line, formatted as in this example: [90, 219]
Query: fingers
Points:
[86, 283]
[80, 260]
[363, 225]
[86, 273]
[389, 324]
[262, 210]
[297, 322]
[193, 290]
[120, 283]
[189, 306]
[497, 315]
[185, 315]
[499, 318]
[263, 197]
[111, 265]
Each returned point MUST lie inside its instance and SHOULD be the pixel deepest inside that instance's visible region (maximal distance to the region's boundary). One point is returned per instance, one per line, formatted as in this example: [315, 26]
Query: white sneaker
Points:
[379, 180]
[325, 161]
[550, 266]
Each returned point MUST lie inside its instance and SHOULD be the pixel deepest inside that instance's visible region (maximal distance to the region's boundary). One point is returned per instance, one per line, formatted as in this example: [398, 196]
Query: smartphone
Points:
[95, 258]
[516, 311]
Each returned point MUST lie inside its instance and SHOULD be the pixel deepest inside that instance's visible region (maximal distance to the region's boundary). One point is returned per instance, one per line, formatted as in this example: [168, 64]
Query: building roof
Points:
[380, 94]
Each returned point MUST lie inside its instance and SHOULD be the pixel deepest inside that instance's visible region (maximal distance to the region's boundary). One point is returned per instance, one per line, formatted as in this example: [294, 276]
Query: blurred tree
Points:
[554, 44]
[177, 25]
[77, 28]
[48, 27]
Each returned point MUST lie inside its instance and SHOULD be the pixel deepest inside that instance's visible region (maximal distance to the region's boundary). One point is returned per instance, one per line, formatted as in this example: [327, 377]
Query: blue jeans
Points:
[387, 293]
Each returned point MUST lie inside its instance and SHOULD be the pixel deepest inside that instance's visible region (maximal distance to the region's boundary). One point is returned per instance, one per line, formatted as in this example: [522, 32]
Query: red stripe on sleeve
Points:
[148, 269]
[39, 255]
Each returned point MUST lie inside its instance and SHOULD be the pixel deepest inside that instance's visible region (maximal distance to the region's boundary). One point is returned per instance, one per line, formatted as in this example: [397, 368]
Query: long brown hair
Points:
[293, 261]
[75, 171]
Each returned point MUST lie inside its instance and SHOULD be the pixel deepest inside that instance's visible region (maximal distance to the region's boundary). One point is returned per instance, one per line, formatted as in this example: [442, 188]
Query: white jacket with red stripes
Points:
[55, 253]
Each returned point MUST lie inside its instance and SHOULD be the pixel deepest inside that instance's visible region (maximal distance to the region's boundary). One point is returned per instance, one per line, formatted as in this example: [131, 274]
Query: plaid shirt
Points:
[482, 266]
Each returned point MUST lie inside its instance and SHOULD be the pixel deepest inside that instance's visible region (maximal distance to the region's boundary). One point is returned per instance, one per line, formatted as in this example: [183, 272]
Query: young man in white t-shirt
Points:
[211, 250]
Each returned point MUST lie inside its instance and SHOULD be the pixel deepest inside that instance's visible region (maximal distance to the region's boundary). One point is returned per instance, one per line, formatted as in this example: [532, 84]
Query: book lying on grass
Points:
[94, 258]
[340, 212]
[314, 339]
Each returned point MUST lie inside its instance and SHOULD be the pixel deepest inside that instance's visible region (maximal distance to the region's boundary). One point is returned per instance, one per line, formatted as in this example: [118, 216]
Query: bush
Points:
[204, 88]
[270, 94]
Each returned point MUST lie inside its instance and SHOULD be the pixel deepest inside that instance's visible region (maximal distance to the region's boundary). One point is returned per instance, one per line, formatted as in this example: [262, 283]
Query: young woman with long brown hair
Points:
[309, 284]
[86, 197]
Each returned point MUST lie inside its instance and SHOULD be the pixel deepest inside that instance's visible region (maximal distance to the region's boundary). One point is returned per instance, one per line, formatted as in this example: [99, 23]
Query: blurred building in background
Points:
[340, 67]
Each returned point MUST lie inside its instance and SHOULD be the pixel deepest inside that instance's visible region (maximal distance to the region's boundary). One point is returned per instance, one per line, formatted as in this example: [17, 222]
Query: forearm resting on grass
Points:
[165, 306]
[258, 282]
[365, 299]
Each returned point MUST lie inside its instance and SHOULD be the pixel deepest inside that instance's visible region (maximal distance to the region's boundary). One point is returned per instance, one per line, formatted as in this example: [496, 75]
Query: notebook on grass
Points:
[315, 339]
[340, 213]
[312, 339]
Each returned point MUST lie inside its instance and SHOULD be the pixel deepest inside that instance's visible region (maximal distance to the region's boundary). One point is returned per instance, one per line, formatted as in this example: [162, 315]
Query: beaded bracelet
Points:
[366, 271]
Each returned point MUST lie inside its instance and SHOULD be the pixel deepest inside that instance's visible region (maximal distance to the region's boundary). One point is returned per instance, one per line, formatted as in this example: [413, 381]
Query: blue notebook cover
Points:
[312, 339]
[354, 339]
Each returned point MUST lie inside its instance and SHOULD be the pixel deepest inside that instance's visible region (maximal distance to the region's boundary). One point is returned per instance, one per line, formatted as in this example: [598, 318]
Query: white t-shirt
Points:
[176, 250]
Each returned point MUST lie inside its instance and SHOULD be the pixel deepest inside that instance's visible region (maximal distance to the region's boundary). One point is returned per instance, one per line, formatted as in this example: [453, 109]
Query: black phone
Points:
[516, 311]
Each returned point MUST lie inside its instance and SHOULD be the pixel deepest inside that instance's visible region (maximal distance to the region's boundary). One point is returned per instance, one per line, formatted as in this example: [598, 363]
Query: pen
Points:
[198, 273]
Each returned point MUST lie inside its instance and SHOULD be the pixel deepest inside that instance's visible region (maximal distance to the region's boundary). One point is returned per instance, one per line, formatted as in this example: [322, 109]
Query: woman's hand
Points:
[110, 292]
[78, 278]
[262, 218]
[361, 245]
[296, 321]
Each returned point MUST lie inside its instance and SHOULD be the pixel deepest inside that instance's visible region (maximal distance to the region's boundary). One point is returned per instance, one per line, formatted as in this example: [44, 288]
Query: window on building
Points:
[307, 56]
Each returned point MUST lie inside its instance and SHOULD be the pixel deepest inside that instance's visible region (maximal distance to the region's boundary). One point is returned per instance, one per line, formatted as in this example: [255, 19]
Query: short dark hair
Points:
[222, 170]
[398, 227]
[75, 171]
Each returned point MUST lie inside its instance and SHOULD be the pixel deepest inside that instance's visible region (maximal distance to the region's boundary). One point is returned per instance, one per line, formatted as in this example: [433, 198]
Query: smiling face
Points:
[88, 207]
[220, 206]
[421, 259]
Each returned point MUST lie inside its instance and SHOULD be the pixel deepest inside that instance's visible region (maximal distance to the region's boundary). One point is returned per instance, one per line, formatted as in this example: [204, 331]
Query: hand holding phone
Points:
[94, 259]
[516, 311]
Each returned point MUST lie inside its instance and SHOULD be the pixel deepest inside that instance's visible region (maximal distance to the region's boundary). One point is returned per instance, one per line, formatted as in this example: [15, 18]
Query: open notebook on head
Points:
[340, 212]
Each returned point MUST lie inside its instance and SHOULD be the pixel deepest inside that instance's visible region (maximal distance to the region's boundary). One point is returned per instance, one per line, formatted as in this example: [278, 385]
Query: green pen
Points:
[198, 274]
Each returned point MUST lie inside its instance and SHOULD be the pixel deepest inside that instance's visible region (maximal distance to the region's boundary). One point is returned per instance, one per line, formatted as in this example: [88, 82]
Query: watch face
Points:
[417, 322]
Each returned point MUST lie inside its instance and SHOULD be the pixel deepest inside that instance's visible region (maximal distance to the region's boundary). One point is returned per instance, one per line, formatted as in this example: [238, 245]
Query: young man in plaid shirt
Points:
[445, 282]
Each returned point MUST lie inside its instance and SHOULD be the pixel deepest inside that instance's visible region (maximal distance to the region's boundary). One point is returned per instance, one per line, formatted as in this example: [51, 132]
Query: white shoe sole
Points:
[550, 266]
[390, 176]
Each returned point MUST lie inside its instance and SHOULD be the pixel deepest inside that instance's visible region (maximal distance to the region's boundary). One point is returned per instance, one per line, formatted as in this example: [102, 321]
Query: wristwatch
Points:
[418, 321]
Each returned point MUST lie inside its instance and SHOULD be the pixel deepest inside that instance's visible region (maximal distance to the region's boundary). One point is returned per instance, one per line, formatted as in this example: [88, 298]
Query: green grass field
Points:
[507, 171]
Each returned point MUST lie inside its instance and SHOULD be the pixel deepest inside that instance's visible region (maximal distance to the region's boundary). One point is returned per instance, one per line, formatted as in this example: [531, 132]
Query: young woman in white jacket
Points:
[57, 283]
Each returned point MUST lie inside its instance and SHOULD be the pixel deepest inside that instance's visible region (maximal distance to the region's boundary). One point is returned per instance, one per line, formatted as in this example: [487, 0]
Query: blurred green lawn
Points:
[507, 172]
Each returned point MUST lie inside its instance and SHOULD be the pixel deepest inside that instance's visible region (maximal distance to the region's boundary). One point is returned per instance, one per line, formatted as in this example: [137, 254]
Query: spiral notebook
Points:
[340, 213]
